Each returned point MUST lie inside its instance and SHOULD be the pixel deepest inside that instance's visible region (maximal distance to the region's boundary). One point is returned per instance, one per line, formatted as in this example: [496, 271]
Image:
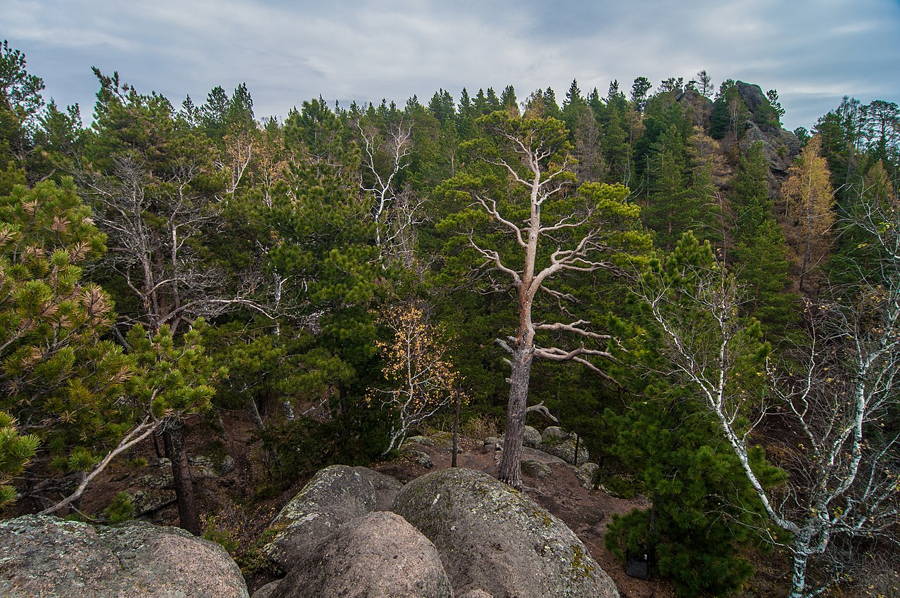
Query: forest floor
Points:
[239, 503]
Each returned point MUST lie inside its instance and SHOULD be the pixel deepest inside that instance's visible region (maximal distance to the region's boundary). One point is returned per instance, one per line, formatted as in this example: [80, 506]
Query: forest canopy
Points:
[711, 302]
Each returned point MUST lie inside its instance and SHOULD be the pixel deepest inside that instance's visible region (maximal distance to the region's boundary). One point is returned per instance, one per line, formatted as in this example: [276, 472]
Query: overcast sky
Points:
[812, 52]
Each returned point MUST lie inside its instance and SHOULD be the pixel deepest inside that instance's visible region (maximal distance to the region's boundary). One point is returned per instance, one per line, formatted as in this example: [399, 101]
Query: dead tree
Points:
[153, 226]
[534, 156]
[395, 209]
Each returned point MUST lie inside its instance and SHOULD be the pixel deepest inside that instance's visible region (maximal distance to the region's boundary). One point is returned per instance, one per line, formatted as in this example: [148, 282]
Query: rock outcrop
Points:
[51, 557]
[378, 555]
[495, 539]
[586, 474]
[536, 469]
[332, 497]
[532, 438]
[564, 445]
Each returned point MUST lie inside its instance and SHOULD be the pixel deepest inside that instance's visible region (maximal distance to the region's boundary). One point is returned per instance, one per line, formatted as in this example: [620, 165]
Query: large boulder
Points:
[378, 555]
[564, 445]
[586, 474]
[532, 438]
[51, 557]
[386, 488]
[496, 539]
[536, 469]
[332, 497]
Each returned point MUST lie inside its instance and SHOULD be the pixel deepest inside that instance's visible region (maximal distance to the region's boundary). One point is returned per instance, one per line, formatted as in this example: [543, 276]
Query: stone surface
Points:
[493, 538]
[423, 440]
[560, 443]
[586, 474]
[332, 497]
[385, 487]
[536, 469]
[474, 594]
[418, 457]
[267, 590]
[378, 555]
[532, 437]
[50, 557]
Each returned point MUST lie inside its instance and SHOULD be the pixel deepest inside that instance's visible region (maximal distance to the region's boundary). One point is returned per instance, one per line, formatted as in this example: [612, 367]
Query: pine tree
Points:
[60, 380]
[15, 451]
[760, 252]
[174, 379]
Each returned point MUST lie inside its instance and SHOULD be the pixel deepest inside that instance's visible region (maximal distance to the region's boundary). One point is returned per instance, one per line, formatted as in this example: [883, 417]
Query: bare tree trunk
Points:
[254, 413]
[798, 575]
[455, 447]
[181, 474]
[515, 417]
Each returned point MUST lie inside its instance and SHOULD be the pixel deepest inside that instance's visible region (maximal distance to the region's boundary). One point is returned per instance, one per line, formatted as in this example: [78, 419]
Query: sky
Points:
[812, 52]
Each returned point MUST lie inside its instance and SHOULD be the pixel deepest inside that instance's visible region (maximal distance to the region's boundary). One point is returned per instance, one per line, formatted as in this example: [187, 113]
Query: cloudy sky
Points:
[812, 52]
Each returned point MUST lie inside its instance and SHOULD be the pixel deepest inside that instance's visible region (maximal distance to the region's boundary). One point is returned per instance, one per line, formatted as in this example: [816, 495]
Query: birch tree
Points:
[395, 209]
[528, 224]
[833, 400]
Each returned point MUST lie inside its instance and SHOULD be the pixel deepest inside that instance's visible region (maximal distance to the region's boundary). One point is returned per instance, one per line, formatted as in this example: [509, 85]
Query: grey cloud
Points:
[813, 52]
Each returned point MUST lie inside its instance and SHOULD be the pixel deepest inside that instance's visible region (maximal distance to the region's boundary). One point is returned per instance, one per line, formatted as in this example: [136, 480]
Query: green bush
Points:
[120, 509]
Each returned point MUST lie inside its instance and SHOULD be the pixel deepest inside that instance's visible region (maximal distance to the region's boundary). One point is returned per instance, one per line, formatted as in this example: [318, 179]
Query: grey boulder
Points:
[378, 555]
[493, 538]
[332, 497]
[51, 557]
[532, 438]
[562, 444]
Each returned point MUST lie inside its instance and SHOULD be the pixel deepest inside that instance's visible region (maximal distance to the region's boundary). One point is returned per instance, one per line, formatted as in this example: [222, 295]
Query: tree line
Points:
[709, 300]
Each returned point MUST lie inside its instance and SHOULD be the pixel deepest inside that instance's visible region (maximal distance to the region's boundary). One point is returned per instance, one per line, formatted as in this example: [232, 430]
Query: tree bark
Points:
[254, 413]
[181, 474]
[510, 471]
[455, 447]
[798, 575]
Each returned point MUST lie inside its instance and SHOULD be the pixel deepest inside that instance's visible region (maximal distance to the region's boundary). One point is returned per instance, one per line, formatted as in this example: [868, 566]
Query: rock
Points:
[541, 456]
[442, 439]
[418, 457]
[475, 594]
[586, 474]
[697, 107]
[779, 147]
[532, 437]
[332, 497]
[536, 469]
[493, 538]
[554, 435]
[386, 487]
[491, 441]
[423, 440]
[378, 555]
[208, 467]
[50, 557]
[560, 443]
[267, 590]
[752, 95]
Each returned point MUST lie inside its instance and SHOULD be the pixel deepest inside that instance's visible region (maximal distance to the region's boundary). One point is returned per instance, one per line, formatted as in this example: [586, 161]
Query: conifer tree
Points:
[760, 253]
[15, 451]
[522, 184]
[59, 379]
[174, 380]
